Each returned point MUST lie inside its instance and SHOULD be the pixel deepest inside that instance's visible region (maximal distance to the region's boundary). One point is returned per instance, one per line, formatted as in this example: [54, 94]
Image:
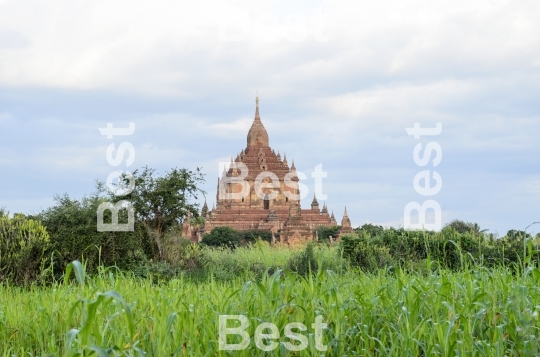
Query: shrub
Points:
[222, 237]
[371, 229]
[465, 227]
[304, 262]
[251, 236]
[365, 253]
[181, 252]
[231, 238]
[23, 246]
[515, 235]
[325, 232]
[72, 227]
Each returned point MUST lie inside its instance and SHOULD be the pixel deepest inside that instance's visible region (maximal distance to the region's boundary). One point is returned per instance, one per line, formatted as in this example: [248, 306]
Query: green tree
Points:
[324, 232]
[72, 226]
[222, 236]
[23, 246]
[514, 234]
[161, 202]
[251, 236]
[465, 227]
[371, 229]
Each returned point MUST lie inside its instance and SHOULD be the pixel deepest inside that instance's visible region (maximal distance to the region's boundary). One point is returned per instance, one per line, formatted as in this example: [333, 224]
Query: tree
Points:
[23, 246]
[251, 236]
[514, 234]
[371, 229]
[160, 202]
[72, 226]
[475, 229]
[222, 236]
[324, 232]
[465, 227]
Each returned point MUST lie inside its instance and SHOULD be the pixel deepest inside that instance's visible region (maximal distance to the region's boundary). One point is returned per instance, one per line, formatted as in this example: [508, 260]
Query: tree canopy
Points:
[465, 227]
[161, 202]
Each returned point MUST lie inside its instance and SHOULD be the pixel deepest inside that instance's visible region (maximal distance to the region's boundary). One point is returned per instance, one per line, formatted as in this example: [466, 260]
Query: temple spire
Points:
[345, 213]
[346, 223]
[315, 204]
[204, 211]
[325, 209]
[257, 116]
[257, 135]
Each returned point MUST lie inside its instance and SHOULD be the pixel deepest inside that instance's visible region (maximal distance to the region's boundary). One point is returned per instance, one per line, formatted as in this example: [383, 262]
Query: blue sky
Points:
[338, 84]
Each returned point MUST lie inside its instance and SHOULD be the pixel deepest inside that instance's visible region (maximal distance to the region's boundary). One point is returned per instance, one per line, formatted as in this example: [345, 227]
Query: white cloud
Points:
[342, 95]
[237, 128]
[166, 46]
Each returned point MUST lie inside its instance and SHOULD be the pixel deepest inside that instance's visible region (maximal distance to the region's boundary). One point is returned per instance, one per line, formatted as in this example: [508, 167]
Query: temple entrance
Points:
[266, 202]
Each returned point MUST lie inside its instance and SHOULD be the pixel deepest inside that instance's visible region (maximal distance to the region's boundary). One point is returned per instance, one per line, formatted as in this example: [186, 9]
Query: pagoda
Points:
[259, 190]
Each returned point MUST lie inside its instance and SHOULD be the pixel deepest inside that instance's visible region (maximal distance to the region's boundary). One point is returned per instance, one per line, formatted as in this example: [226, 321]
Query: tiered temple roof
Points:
[269, 203]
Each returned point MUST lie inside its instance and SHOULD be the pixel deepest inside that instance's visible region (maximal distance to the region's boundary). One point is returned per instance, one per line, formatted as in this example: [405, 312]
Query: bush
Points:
[372, 248]
[365, 253]
[181, 252]
[23, 246]
[222, 237]
[324, 232]
[251, 236]
[72, 227]
[305, 262]
[370, 229]
[231, 238]
[515, 235]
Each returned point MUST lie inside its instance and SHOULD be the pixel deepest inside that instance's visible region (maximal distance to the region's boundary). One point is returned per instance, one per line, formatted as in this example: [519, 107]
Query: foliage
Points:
[465, 227]
[232, 238]
[325, 232]
[72, 223]
[365, 253]
[472, 312]
[448, 248]
[23, 246]
[517, 235]
[181, 252]
[222, 237]
[305, 262]
[251, 236]
[252, 261]
[370, 229]
[161, 202]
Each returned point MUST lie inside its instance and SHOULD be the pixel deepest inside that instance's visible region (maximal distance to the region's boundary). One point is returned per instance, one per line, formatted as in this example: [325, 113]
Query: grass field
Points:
[477, 312]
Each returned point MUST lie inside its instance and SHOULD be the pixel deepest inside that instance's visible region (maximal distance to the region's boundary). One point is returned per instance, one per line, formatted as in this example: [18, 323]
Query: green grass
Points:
[251, 262]
[476, 312]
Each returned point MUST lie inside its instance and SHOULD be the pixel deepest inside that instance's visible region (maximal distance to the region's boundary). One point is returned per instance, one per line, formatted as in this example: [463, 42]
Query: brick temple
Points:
[259, 190]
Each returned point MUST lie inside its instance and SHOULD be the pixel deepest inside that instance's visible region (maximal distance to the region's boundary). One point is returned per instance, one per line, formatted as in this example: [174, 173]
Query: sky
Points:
[338, 82]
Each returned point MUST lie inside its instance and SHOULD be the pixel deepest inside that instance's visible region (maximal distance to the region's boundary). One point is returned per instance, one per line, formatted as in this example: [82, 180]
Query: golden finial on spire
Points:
[257, 98]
